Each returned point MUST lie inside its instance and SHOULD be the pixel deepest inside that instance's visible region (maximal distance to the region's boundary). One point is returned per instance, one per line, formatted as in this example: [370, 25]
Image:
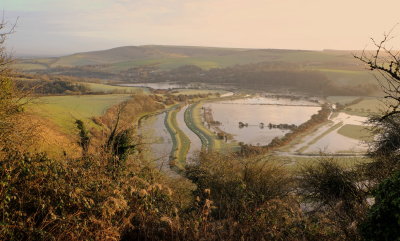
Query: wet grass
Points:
[366, 107]
[356, 132]
[64, 110]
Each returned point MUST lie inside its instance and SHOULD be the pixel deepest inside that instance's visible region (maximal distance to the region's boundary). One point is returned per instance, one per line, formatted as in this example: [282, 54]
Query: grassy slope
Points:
[168, 57]
[240, 57]
[64, 110]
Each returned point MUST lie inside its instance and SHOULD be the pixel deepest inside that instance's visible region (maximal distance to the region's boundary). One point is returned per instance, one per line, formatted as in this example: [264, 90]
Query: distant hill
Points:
[169, 57]
[136, 63]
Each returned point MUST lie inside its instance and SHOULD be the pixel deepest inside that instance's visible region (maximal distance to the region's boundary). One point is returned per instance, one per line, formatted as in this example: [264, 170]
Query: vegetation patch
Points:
[356, 132]
[366, 107]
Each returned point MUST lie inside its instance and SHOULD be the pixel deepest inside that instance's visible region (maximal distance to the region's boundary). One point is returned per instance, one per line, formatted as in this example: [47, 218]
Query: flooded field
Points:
[333, 142]
[326, 139]
[159, 141]
[254, 111]
[257, 121]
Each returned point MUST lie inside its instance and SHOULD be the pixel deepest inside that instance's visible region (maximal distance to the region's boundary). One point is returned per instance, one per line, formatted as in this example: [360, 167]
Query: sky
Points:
[59, 27]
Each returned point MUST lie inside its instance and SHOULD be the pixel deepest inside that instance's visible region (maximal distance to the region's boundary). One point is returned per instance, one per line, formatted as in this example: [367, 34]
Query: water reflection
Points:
[159, 141]
[254, 113]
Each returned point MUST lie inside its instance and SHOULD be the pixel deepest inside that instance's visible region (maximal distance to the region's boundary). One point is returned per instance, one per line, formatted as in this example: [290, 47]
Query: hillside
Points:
[169, 57]
[154, 63]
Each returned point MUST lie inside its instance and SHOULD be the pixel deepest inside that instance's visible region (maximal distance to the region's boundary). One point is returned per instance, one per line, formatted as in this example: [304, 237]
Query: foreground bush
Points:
[335, 193]
[383, 219]
[44, 199]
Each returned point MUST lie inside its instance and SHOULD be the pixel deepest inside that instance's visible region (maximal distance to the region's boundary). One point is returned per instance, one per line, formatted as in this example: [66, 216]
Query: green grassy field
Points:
[64, 110]
[356, 132]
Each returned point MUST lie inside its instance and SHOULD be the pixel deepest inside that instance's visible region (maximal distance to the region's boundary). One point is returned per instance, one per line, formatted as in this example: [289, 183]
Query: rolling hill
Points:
[169, 57]
[137, 63]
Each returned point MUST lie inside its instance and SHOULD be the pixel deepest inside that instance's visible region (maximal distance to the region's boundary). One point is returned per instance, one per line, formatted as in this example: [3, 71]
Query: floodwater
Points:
[333, 142]
[195, 142]
[158, 140]
[254, 111]
[336, 143]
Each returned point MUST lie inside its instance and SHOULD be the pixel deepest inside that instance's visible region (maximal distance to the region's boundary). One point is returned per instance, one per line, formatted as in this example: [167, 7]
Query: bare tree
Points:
[385, 149]
[9, 97]
[386, 61]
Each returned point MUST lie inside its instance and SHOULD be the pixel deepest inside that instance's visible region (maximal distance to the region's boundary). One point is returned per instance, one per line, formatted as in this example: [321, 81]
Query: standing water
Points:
[159, 141]
[256, 114]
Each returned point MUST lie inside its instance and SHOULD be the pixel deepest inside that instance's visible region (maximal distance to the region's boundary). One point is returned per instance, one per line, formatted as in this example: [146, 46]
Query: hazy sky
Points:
[66, 26]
